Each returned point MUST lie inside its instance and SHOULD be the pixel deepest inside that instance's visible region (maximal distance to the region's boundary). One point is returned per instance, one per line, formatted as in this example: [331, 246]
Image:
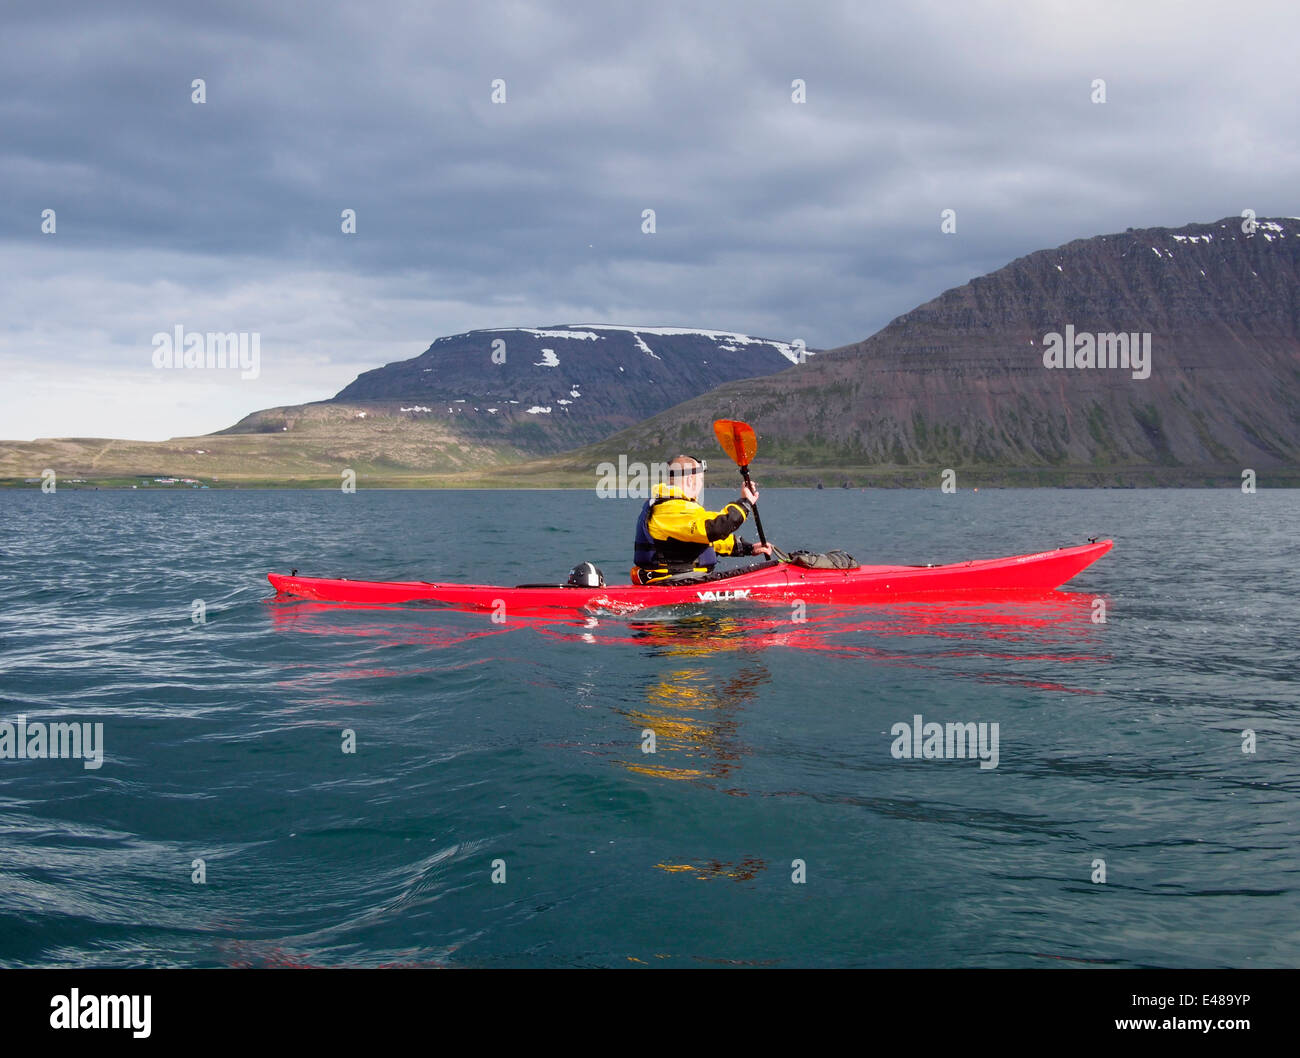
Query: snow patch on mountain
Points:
[640, 343]
[582, 336]
[731, 339]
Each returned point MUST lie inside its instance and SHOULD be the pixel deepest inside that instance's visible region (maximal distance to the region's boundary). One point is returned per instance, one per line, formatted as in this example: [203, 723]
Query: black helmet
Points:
[586, 575]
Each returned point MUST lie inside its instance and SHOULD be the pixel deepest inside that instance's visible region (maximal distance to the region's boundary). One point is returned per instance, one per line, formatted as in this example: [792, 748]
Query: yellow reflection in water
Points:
[738, 872]
[692, 711]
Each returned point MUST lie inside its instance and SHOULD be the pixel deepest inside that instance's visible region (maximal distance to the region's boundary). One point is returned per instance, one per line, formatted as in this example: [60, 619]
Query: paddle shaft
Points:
[762, 539]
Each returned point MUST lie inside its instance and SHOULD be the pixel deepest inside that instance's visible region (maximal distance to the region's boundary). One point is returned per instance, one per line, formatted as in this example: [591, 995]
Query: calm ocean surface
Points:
[522, 743]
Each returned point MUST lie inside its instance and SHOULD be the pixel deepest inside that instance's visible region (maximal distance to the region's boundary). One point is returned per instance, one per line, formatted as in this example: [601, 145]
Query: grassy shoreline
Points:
[516, 478]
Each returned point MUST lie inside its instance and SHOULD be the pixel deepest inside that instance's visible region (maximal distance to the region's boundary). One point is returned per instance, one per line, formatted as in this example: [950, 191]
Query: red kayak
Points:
[772, 582]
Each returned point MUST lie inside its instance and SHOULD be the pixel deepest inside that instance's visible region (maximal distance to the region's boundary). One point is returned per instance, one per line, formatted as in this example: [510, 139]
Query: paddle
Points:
[739, 441]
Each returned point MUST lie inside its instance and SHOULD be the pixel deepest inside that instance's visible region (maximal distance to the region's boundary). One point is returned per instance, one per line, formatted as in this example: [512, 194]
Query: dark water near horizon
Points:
[522, 742]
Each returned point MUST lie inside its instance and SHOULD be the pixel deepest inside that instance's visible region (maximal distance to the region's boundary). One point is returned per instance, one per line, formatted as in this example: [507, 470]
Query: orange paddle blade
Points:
[737, 439]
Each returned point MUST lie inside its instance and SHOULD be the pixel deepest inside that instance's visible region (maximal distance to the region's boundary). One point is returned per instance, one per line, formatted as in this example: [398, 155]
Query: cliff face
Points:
[961, 380]
[539, 390]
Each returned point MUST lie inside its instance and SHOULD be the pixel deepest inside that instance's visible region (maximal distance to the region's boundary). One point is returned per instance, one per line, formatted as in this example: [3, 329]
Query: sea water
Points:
[725, 784]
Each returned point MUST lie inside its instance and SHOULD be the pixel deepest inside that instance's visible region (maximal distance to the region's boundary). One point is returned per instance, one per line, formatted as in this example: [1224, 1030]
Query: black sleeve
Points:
[728, 520]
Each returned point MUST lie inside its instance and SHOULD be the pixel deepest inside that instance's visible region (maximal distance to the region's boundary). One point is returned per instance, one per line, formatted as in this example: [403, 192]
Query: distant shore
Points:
[845, 478]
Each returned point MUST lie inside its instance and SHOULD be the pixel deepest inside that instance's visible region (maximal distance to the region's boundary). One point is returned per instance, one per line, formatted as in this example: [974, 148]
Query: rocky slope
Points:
[961, 380]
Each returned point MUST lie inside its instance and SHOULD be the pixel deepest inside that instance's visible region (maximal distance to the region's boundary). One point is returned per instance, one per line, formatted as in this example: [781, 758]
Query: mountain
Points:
[448, 416]
[962, 380]
[537, 390]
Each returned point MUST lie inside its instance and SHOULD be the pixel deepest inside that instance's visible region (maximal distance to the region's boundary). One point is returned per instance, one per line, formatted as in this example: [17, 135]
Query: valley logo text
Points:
[38, 741]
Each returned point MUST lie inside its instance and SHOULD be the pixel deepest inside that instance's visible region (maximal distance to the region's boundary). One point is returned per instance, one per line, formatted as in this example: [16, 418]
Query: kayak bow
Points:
[1042, 571]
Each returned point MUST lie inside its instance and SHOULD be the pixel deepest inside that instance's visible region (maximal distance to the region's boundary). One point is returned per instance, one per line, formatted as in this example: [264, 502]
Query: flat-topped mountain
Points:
[541, 389]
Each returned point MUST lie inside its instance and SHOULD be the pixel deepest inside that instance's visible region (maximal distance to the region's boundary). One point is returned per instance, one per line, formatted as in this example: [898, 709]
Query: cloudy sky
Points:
[817, 220]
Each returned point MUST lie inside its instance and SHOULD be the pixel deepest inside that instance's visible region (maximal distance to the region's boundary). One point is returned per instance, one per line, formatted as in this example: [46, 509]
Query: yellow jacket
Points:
[678, 518]
[676, 535]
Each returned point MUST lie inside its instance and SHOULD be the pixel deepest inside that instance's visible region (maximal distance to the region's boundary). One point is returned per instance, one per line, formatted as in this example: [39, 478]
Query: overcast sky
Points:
[817, 220]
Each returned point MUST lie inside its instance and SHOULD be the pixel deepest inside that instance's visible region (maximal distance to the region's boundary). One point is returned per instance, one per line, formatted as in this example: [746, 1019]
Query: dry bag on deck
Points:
[823, 559]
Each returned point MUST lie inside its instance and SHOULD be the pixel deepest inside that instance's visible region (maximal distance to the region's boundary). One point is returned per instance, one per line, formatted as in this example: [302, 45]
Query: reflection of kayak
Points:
[770, 582]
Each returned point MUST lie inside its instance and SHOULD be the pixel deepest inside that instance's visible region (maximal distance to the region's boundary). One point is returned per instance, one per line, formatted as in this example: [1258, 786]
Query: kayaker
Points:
[675, 535]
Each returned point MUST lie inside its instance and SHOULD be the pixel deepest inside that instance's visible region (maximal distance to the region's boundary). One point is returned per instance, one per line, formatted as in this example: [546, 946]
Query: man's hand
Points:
[750, 493]
[763, 549]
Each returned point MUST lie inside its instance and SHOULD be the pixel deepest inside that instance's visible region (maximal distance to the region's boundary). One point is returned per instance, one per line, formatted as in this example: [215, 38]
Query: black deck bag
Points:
[823, 559]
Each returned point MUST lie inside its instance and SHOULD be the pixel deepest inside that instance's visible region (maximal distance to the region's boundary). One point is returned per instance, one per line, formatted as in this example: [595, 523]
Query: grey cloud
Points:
[818, 220]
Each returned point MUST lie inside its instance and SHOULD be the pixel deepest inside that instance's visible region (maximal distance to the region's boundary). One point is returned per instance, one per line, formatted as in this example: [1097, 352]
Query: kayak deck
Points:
[1041, 571]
